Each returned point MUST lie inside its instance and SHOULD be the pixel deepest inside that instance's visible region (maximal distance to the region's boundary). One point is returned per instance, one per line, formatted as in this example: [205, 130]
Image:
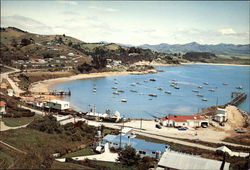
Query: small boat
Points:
[132, 84]
[116, 82]
[114, 87]
[168, 92]
[145, 80]
[176, 87]
[239, 87]
[152, 79]
[160, 88]
[133, 90]
[172, 84]
[115, 79]
[195, 91]
[212, 90]
[116, 93]
[200, 87]
[225, 83]
[138, 83]
[123, 100]
[94, 90]
[204, 99]
[205, 83]
[199, 95]
[121, 91]
[153, 95]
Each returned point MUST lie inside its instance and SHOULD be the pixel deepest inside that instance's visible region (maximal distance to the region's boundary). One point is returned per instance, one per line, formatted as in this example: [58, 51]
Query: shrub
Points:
[128, 157]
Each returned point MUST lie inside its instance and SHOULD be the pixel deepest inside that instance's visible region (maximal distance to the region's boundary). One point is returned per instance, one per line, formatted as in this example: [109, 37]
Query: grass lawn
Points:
[68, 165]
[5, 159]
[13, 122]
[82, 152]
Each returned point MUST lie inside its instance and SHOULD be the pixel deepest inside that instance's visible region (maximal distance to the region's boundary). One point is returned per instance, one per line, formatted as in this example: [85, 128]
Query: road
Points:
[33, 110]
[15, 88]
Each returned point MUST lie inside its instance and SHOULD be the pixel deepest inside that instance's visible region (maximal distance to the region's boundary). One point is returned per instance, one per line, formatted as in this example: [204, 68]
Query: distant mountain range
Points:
[219, 49]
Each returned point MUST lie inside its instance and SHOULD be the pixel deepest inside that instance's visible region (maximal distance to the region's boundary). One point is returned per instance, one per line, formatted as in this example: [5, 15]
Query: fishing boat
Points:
[123, 100]
[168, 92]
[116, 93]
[205, 83]
[133, 91]
[239, 87]
[195, 91]
[225, 83]
[114, 87]
[153, 95]
[152, 79]
[199, 95]
[204, 99]
[212, 90]
[160, 88]
[200, 87]
[121, 91]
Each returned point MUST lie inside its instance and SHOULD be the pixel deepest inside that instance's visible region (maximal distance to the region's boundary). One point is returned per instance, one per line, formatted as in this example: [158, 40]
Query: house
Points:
[184, 120]
[71, 54]
[176, 160]
[58, 104]
[2, 107]
[141, 146]
[221, 115]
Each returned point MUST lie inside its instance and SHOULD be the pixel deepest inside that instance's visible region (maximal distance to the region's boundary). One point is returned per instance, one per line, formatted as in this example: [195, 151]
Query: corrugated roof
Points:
[178, 160]
[136, 143]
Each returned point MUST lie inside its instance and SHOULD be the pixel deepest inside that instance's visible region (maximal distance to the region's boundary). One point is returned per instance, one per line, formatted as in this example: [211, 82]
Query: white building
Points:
[221, 115]
[58, 104]
[176, 160]
[2, 107]
[10, 92]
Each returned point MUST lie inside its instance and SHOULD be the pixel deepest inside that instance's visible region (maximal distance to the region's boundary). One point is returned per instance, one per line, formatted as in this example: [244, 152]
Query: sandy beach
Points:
[43, 86]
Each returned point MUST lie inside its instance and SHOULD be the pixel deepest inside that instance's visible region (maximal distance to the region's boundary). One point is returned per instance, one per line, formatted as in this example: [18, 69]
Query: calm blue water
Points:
[182, 101]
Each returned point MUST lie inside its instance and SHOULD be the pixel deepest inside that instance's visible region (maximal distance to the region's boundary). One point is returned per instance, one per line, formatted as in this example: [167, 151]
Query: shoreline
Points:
[224, 64]
[44, 86]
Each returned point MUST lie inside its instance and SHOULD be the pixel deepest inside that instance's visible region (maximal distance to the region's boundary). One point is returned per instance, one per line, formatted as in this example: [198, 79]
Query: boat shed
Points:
[141, 146]
[177, 160]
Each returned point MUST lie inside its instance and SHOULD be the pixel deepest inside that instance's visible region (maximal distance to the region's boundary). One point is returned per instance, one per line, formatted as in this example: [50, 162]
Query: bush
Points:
[128, 157]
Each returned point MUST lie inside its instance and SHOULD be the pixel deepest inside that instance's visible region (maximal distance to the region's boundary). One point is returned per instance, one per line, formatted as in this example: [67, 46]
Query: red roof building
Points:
[2, 107]
[184, 120]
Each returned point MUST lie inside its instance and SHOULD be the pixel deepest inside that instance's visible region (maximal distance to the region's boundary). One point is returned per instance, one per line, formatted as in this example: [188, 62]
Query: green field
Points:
[13, 122]
[82, 152]
[5, 158]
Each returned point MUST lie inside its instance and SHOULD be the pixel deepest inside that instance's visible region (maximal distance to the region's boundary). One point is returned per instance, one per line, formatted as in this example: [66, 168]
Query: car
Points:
[158, 126]
[182, 128]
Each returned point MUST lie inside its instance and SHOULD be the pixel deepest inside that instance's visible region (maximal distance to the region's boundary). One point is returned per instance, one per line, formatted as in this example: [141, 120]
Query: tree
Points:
[99, 58]
[128, 157]
[14, 43]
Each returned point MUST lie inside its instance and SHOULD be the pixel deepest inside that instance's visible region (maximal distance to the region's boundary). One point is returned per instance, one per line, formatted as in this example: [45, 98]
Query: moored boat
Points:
[212, 90]
[204, 99]
[200, 95]
[168, 92]
[123, 100]
[153, 95]
[195, 91]
[239, 87]
[152, 79]
[121, 91]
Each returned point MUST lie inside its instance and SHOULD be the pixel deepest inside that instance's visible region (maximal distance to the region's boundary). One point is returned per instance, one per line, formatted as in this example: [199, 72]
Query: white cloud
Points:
[102, 8]
[71, 2]
[227, 31]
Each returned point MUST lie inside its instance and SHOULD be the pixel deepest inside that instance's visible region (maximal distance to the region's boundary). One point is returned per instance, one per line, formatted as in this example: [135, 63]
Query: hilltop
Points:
[218, 49]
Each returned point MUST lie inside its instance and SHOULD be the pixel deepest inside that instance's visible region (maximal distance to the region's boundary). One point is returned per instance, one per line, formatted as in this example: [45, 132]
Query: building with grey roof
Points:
[177, 160]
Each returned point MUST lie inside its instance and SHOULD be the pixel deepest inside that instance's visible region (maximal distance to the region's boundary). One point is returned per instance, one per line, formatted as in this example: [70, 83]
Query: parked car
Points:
[158, 126]
[182, 128]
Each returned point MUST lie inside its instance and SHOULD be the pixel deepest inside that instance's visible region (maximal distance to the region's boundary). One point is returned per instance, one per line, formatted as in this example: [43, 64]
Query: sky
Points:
[133, 22]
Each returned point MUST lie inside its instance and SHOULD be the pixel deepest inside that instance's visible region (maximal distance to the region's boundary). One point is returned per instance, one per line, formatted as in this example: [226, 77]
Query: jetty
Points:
[54, 93]
[237, 98]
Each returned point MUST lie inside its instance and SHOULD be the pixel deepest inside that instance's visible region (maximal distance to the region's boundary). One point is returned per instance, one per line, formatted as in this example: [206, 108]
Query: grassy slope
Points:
[12, 122]
[82, 152]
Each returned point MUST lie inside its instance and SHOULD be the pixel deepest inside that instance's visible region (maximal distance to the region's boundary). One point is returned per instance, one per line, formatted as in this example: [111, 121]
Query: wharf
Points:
[237, 98]
[54, 93]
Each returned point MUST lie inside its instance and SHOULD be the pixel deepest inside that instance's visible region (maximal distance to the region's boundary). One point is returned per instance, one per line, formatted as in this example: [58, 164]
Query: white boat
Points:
[133, 91]
[153, 95]
[195, 91]
[138, 83]
[205, 83]
[123, 100]
[168, 92]
[200, 87]
[204, 99]
[114, 87]
[116, 93]
[160, 88]
[176, 87]
[212, 90]
[225, 83]
[94, 90]
[199, 95]
[132, 84]
[239, 87]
